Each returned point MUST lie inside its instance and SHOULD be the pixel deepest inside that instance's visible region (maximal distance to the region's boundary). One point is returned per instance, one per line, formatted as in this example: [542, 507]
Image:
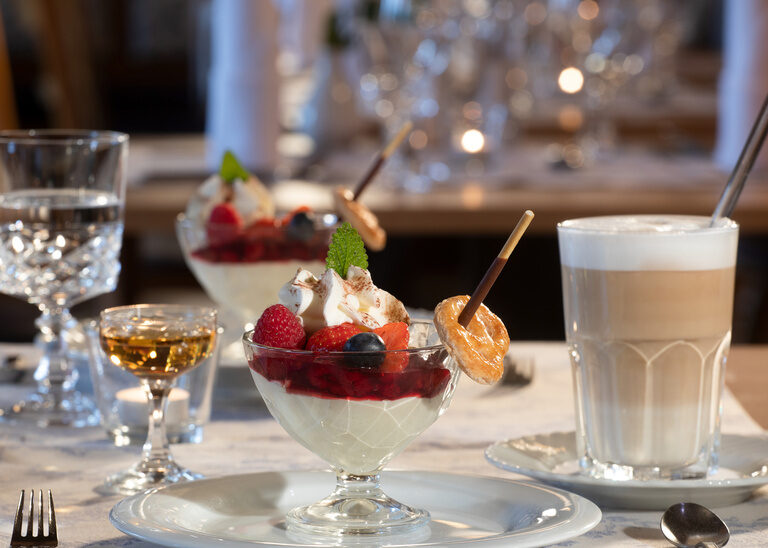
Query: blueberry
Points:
[301, 226]
[365, 342]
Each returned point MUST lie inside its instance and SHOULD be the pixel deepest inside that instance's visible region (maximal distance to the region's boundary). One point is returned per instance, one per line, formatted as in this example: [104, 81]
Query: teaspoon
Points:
[690, 525]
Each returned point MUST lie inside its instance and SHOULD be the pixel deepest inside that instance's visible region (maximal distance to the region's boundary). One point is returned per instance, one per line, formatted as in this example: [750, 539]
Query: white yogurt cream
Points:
[247, 288]
[358, 437]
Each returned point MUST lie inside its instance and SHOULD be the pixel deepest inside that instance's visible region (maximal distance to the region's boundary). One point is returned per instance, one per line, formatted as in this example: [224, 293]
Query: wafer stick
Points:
[381, 157]
[482, 289]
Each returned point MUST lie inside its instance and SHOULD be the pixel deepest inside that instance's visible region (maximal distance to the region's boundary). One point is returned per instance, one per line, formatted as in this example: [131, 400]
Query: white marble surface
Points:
[243, 438]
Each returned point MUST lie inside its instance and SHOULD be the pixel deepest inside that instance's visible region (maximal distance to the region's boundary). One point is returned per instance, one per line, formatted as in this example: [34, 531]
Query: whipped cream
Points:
[250, 198]
[333, 300]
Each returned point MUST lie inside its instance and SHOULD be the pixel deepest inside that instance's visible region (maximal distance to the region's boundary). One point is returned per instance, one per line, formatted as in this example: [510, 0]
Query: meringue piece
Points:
[332, 300]
[250, 198]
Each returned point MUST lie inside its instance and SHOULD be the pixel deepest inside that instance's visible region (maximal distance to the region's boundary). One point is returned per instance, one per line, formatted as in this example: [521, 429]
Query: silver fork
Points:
[39, 538]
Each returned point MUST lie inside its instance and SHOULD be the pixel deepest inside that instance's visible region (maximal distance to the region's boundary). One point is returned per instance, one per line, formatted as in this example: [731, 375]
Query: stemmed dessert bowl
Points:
[62, 195]
[242, 271]
[157, 343]
[356, 410]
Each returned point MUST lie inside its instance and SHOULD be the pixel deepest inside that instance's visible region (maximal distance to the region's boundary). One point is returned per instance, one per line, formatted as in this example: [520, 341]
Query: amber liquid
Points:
[157, 355]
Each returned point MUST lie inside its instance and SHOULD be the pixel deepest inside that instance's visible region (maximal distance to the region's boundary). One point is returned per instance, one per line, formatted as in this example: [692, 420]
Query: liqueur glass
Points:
[356, 410]
[157, 343]
[62, 196]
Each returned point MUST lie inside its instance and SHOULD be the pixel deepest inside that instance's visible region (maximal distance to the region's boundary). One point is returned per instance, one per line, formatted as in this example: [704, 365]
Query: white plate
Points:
[248, 510]
[551, 458]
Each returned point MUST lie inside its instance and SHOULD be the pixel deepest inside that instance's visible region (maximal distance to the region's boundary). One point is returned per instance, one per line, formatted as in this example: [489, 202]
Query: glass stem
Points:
[156, 452]
[55, 375]
[357, 487]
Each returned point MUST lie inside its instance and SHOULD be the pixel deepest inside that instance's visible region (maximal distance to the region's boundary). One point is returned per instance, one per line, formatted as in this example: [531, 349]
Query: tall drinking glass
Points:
[157, 343]
[62, 196]
[648, 303]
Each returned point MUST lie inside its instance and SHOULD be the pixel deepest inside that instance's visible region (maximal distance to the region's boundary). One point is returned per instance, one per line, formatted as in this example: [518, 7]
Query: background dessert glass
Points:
[157, 343]
[61, 227]
[243, 276]
[648, 303]
[356, 419]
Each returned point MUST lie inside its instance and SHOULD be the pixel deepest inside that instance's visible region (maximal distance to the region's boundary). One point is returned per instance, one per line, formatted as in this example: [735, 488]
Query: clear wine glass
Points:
[157, 343]
[62, 196]
[356, 410]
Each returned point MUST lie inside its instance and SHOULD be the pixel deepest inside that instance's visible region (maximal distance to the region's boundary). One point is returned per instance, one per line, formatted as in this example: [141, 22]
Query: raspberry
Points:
[224, 224]
[395, 336]
[332, 338]
[279, 328]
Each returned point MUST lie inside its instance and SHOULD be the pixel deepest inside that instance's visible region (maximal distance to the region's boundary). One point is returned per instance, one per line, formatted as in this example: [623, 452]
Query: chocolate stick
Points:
[381, 157]
[482, 289]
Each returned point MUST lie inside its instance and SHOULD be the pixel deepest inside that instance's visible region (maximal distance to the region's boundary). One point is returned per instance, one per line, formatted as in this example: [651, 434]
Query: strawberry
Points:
[395, 336]
[224, 224]
[331, 338]
[280, 328]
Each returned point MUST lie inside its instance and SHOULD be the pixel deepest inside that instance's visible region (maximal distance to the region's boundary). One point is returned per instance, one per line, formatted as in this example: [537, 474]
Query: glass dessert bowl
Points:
[356, 410]
[243, 273]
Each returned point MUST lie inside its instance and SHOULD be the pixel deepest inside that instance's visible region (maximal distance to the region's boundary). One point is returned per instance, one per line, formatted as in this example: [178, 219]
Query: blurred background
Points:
[567, 107]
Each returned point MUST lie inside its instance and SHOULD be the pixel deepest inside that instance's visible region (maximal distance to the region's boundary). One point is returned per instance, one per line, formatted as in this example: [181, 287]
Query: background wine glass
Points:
[62, 196]
[157, 343]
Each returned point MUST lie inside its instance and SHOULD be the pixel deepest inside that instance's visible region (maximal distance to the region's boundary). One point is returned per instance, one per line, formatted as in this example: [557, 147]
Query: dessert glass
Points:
[243, 275]
[356, 419]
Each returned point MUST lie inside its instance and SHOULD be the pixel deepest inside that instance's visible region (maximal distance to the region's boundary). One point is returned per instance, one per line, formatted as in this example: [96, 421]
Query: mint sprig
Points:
[231, 168]
[346, 249]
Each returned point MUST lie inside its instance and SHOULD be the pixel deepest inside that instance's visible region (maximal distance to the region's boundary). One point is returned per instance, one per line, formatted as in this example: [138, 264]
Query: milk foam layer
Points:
[647, 242]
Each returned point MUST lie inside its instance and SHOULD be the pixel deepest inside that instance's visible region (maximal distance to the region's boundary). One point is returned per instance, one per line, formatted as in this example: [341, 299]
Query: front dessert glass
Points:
[157, 343]
[244, 272]
[356, 410]
[61, 227]
[648, 303]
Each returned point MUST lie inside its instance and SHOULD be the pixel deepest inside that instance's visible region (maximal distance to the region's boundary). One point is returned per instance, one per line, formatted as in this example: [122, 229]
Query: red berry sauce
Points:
[265, 243]
[325, 376]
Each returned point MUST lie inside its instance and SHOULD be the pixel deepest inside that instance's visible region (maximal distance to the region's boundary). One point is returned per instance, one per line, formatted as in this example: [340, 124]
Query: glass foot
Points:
[365, 515]
[44, 410]
[140, 477]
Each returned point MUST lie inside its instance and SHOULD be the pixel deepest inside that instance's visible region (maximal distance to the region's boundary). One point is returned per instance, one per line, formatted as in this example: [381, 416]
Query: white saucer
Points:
[551, 458]
[247, 510]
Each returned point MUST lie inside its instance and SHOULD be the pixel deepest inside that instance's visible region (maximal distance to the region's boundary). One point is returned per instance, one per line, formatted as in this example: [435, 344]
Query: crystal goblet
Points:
[157, 343]
[356, 418]
[62, 196]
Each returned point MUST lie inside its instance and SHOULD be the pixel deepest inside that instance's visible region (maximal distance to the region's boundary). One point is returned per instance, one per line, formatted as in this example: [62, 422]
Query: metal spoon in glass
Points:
[691, 525]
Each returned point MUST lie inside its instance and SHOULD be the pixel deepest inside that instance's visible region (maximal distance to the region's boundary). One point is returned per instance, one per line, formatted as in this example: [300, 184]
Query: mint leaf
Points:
[231, 169]
[346, 249]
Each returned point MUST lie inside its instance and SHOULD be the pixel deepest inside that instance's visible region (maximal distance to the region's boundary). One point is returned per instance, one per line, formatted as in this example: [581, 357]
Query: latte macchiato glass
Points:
[648, 303]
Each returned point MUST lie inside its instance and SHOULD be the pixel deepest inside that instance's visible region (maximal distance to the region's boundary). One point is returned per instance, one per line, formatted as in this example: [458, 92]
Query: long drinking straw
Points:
[740, 172]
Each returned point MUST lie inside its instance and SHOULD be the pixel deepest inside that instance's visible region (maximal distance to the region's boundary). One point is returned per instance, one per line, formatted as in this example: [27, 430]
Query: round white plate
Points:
[247, 510]
[551, 458]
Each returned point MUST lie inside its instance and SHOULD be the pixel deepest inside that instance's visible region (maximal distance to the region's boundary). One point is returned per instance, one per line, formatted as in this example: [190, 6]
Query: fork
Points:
[38, 539]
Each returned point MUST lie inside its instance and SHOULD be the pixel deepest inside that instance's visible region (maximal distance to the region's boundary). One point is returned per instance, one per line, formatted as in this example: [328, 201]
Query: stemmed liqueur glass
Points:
[157, 343]
[61, 226]
[356, 410]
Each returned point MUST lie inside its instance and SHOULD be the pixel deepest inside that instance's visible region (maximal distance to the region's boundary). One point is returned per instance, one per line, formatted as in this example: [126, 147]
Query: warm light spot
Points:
[472, 195]
[418, 139]
[535, 13]
[571, 80]
[588, 9]
[570, 118]
[152, 355]
[61, 241]
[17, 244]
[114, 359]
[472, 141]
